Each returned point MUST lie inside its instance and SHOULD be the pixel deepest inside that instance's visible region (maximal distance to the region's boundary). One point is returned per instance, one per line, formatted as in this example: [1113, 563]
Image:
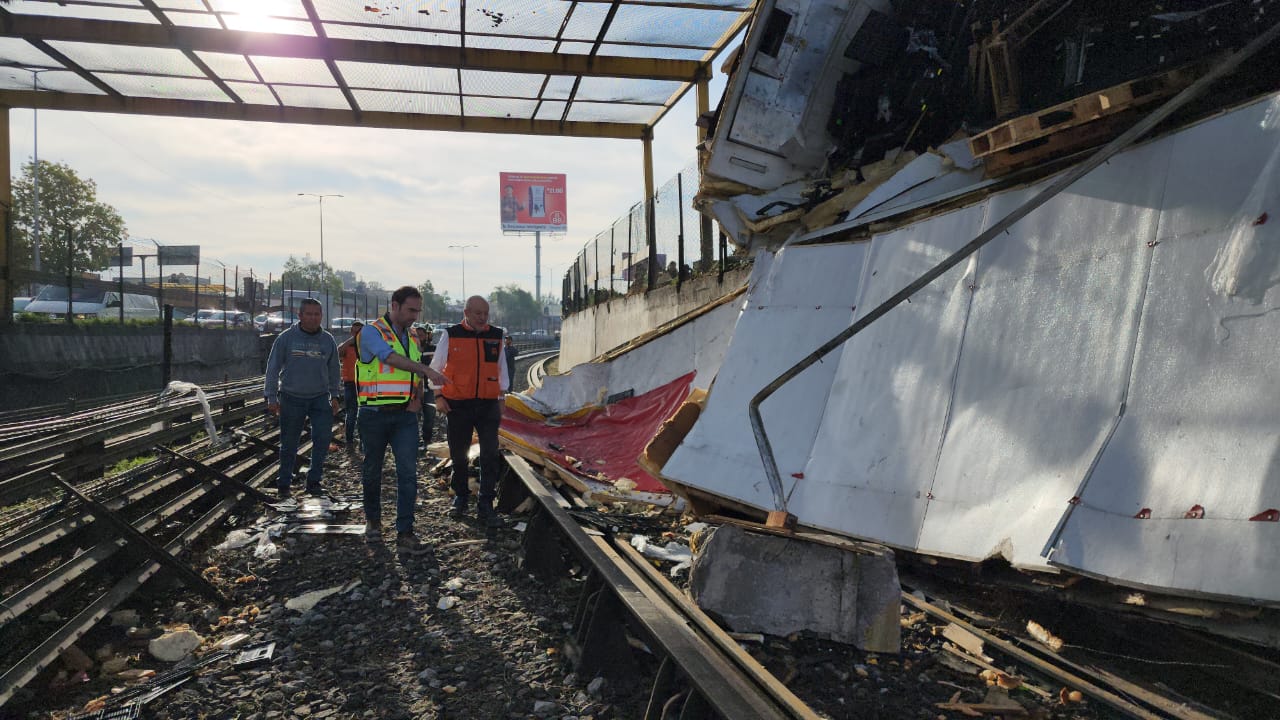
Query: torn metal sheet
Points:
[796, 301]
[318, 528]
[877, 445]
[249, 657]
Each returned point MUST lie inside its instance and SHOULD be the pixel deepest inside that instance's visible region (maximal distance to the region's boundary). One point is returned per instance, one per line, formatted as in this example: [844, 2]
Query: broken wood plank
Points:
[985, 665]
[962, 638]
[1054, 671]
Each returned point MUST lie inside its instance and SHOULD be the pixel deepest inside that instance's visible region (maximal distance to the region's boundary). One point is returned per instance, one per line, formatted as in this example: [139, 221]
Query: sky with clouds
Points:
[231, 187]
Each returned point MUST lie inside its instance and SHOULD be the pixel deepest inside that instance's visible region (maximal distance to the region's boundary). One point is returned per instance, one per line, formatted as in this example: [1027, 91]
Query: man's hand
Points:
[333, 402]
[441, 404]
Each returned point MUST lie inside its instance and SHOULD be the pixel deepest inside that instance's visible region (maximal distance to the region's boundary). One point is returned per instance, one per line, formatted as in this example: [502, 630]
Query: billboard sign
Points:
[179, 254]
[123, 256]
[533, 201]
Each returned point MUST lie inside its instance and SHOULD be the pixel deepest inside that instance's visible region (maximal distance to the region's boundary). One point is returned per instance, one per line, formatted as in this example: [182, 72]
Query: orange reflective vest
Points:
[378, 383]
[473, 364]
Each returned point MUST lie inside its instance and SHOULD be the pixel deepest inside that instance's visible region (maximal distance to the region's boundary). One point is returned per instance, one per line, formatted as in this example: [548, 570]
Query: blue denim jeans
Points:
[294, 412]
[351, 407]
[399, 429]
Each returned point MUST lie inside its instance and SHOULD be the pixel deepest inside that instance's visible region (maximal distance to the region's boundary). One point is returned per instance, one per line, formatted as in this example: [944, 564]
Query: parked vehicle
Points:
[260, 322]
[279, 321]
[342, 323]
[92, 303]
[19, 303]
[199, 317]
[219, 318]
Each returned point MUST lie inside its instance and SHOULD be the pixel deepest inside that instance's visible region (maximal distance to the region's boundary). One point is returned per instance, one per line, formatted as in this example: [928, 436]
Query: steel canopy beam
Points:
[314, 116]
[113, 32]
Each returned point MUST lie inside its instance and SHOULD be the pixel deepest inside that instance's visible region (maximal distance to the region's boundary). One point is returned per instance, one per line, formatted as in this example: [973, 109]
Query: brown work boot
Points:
[409, 544]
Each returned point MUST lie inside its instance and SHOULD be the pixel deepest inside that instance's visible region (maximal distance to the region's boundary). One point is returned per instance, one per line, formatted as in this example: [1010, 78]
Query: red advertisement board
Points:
[532, 201]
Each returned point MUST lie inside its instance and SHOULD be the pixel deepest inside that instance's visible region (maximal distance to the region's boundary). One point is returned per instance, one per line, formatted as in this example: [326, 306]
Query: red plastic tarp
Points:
[606, 441]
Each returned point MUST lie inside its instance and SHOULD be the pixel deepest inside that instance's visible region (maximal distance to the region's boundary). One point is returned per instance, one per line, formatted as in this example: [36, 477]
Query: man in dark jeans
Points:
[348, 352]
[509, 347]
[470, 355]
[423, 336]
[303, 382]
[387, 374]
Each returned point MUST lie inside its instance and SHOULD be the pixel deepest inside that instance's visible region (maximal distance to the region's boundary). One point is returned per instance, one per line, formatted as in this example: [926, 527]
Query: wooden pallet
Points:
[1082, 110]
[1058, 144]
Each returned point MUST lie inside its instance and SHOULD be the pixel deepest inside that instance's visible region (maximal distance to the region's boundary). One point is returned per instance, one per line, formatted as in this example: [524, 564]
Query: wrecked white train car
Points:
[1096, 391]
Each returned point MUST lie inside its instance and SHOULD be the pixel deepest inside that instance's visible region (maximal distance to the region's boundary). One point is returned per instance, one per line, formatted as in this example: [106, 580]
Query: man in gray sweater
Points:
[304, 381]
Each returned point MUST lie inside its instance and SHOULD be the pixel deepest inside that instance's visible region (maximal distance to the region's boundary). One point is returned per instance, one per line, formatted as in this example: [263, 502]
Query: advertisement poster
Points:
[532, 201]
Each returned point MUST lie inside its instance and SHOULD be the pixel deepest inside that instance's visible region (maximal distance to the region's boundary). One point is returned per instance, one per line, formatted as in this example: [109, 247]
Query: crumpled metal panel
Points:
[1197, 451]
[697, 346]
[1117, 359]
[877, 446]
[1200, 431]
[1045, 360]
[797, 300]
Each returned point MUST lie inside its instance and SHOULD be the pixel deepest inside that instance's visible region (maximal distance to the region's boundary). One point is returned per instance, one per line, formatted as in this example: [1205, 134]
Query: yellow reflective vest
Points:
[377, 383]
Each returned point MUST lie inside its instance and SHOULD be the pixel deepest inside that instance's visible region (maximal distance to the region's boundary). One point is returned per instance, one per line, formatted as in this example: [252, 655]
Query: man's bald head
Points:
[476, 312]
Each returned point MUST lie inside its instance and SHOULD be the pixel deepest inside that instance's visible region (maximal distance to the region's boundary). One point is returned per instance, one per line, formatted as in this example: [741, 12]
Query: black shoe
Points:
[317, 491]
[283, 493]
[490, 521]
[457, 513]
[373, 531]
[409, 544]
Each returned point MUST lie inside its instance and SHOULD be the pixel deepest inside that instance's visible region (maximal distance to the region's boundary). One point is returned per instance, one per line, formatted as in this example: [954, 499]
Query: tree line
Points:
[69, 208]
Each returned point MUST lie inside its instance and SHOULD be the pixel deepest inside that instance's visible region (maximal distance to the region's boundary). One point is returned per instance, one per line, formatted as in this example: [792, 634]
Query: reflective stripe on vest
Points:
[378, 383]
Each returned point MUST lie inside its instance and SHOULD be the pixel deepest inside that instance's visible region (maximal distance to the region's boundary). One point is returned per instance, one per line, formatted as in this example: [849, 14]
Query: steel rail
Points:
[79, 450]
[1142, 127]
[64, 574]
[38, 659]
[259, 463]
[46, 418]
[718, 678]
[538, 370]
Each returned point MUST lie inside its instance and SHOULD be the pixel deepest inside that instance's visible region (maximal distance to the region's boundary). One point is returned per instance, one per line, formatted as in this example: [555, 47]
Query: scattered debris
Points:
[672, 551]
[307, 601]
[447, 602]
[1038, 631]
[175, 644]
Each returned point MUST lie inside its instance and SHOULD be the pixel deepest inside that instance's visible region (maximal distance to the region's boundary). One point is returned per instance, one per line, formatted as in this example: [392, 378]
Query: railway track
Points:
[75, 550]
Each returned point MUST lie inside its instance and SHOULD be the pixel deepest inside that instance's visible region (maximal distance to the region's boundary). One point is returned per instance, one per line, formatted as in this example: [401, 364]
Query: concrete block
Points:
[756, 582]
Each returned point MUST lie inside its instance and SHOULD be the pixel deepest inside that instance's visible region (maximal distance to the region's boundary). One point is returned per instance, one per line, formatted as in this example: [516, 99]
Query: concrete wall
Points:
[43, 364]
[596, 330]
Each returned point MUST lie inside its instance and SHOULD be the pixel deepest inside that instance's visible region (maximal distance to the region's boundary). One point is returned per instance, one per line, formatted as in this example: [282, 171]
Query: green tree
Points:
[434, 304]
[301, 274]
[67, 202]
[513, 307]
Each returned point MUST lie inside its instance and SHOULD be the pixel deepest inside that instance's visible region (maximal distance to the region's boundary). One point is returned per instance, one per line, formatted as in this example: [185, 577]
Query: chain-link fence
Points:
[145, 275]
[628, 258]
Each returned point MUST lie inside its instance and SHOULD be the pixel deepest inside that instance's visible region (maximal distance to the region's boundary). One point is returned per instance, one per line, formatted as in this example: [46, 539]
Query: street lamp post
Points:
[35, 153]
[323, 275]
[224, 290]
[463, 248]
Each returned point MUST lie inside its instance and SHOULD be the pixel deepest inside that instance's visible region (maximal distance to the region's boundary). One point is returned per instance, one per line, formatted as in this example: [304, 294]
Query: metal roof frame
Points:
[628, 114]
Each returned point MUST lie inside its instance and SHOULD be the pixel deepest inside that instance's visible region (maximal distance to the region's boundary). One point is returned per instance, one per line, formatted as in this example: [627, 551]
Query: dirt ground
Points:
[458, 632]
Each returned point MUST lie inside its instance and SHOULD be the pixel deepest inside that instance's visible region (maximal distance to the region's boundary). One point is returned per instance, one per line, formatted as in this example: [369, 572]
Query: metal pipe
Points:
[1226, 67]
